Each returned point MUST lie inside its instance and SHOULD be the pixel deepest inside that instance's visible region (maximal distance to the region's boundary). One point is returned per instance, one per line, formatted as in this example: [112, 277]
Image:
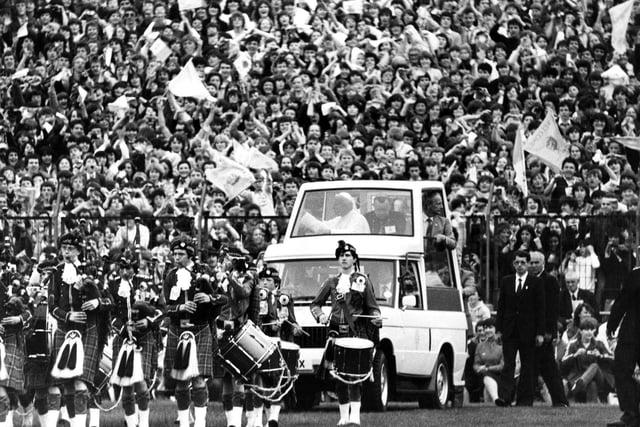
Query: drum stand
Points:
[358, 378]
[284, 385]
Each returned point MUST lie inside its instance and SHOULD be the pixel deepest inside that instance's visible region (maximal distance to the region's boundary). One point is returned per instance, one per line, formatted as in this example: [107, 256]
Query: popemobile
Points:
[406, 250]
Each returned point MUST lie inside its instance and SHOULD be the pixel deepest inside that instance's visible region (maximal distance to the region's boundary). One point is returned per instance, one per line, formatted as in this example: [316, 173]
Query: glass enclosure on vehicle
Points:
[362, 211]
[302, 279]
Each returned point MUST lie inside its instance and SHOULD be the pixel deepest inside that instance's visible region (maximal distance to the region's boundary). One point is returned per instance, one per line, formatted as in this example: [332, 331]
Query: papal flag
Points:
[548, 144]
[519, 163]
[620, 16]
[229, 176]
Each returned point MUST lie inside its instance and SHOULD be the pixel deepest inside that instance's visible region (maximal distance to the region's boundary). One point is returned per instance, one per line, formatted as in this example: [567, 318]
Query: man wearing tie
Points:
[438, 229]
[521, 321]
[572, 296]
[545, 356]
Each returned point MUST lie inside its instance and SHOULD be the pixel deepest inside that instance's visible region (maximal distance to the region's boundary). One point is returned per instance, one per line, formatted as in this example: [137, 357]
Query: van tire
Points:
[439, 398]
[375, 394]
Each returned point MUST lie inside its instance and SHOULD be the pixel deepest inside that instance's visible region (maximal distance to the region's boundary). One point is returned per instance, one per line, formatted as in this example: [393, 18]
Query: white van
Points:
[422, 349]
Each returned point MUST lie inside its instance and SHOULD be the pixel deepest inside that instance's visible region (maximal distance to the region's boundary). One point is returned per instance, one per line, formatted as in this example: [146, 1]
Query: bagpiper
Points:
[75, 302]
[136, 322]
[191, 302]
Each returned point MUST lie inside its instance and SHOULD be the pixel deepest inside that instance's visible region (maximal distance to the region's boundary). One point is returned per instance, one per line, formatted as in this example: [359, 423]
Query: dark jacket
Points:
[551, 303]
[626, 309]
[521, 316]
[395, 223]
[566, 308]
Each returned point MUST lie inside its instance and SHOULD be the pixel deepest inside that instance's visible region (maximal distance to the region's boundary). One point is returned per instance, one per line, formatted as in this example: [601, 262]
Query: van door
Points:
[412, 344]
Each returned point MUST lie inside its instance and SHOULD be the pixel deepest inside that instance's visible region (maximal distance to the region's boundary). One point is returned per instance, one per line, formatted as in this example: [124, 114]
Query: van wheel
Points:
[438, 399]
[375, 394]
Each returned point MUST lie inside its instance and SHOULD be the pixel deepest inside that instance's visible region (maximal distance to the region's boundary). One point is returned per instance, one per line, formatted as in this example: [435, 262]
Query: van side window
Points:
[409, 283]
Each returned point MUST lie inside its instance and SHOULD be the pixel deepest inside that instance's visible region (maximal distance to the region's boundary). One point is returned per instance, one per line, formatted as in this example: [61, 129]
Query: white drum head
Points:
[355, 343]
[287, 345]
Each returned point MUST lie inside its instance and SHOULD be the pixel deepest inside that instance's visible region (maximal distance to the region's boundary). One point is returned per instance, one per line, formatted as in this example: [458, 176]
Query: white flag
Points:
[82, 93]
[256, 159]
[519, 164]
[632, 142]
[243, 64]
[230, 177]
[548, 144]
[160, 50]
[187, 84]
[239, 153]
[620, 16]
[190, 4]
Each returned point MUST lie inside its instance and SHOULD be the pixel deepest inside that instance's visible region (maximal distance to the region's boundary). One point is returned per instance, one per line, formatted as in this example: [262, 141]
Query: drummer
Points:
[278, 320]
[238, 284]
[191, 302]
[140, 319]
[351, 296]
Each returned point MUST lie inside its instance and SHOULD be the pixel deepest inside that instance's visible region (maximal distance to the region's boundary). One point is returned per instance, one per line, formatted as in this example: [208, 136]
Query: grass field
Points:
[405, 415]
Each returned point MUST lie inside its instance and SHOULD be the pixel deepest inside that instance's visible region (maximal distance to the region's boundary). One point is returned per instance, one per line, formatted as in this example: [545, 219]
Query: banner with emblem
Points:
[548, 144]
[229, 176]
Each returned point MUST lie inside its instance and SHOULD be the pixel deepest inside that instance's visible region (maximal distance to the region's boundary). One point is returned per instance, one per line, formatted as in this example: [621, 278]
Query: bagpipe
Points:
[185, 364]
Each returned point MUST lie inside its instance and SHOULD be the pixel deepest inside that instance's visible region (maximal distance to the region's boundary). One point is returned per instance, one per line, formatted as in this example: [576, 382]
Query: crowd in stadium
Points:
[93, 127]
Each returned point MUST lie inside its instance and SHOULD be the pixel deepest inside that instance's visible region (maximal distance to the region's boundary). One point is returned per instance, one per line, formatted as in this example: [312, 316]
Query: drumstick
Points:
[369, 316]
[303, 331]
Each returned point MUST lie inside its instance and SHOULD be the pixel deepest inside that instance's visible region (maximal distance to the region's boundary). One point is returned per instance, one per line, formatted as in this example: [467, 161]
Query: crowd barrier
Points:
[481, 240]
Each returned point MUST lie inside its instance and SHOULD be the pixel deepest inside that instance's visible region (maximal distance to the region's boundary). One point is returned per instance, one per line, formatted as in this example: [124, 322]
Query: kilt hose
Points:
[149, 354]
[92, 354]
[204, 343]
[14, 361]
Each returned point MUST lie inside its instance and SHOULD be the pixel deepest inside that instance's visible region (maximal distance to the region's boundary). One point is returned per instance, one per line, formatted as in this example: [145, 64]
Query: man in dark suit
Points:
[546, 365]
[384, 220]
[626, 309]
[437, 228]
[571, 297]
[521, 321]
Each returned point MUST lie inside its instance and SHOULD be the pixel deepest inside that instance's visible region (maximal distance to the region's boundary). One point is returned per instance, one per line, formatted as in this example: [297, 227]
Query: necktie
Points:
[519, 285]
[574, 297]
[429, 226]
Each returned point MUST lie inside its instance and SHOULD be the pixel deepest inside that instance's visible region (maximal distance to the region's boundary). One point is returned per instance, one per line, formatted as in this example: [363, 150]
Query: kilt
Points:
[36, 373]
[204, 344]
[14, 361]
[149, 354]
[92, 354]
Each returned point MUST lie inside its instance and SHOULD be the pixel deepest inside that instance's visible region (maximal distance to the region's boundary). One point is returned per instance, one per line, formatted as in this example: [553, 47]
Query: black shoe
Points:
[560, 405]
[501, 403]
[620, 424]
[273, 423]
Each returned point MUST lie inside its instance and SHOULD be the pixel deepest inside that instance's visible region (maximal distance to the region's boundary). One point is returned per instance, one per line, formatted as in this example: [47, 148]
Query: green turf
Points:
[405, 415]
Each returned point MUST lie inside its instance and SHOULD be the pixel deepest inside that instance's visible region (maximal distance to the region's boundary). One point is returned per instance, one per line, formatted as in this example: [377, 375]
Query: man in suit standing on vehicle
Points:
[545, 356]
[521, 321]
[438, 229]
[626, 309]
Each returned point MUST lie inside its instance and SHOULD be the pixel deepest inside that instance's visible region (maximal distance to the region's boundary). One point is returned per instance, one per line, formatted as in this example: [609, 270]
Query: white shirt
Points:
[518, 278]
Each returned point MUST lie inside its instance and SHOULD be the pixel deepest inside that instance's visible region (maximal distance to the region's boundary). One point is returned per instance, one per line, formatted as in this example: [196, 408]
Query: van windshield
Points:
[302, 279]
[371, 211]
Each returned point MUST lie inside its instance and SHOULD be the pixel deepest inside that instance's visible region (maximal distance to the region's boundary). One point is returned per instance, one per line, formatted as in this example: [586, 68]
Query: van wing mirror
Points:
[409, 301]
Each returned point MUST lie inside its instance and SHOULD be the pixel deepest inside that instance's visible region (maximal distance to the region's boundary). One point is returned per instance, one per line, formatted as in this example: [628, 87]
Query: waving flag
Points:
[187, 84]
[518, 163]
[548, 144]
[229, 176]
[620, 16]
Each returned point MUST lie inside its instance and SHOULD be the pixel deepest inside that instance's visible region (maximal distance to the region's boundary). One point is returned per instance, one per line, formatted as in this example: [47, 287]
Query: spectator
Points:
[489, 361]
[587, 363]
[478, 310]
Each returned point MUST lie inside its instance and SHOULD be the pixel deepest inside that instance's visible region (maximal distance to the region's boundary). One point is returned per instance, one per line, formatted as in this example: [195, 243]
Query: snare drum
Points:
[291, 354]
[353, 358]
[247, 350]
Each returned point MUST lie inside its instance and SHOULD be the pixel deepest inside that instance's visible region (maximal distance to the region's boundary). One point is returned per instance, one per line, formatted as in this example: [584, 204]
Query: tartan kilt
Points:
[36, 373]
[92, 354]
[204, 344]
[149, 354]
[14, 361]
